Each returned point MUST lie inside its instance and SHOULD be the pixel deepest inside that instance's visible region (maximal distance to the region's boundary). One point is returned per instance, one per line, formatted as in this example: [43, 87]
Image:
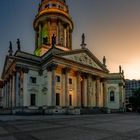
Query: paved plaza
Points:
[85, 127]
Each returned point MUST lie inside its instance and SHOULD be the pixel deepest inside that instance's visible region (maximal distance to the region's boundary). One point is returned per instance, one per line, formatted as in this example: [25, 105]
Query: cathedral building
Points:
[57, 75]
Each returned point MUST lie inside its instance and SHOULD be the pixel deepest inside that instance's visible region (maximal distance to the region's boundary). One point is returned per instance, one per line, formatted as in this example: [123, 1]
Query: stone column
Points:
[40, 35]
[63, 87]
[97, 91]
[24, 87]
[59, 34]
[104, 93]
[66, 72]
[6, 95]
[9, 98]
[13, 90]
[49, 34]
[17, 89]
[70, 40]
[120, 95]
[10, 91]
[85, 89]
[78, 89]
[67, 40]
[88, 90]
[52, 67]
[36, 39]
[21, 88]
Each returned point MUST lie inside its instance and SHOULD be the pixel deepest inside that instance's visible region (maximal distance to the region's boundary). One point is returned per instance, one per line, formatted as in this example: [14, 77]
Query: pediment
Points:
[85, 57]
[7, 64]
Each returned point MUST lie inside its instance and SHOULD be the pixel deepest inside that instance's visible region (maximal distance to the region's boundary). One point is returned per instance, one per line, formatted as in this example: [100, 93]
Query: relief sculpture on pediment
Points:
[84, 59]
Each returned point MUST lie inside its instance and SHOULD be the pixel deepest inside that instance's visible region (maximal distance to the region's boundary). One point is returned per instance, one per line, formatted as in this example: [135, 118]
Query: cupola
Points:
[52, 19]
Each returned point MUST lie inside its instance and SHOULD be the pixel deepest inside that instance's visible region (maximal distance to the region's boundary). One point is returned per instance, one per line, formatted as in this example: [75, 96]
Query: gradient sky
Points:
[111, 27]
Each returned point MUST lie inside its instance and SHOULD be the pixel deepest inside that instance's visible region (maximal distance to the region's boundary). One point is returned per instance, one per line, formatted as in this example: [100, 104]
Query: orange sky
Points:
[112, 28]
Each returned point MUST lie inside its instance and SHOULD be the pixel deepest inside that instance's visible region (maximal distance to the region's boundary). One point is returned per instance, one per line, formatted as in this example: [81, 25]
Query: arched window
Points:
[47, 6]
[112, 96]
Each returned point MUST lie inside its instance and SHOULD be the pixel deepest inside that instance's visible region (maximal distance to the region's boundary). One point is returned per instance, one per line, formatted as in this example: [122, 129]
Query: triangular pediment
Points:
[8, 61]
[85, 57]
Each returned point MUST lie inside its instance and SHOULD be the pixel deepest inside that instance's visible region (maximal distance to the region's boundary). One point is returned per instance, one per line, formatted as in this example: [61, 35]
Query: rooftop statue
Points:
[10, 49]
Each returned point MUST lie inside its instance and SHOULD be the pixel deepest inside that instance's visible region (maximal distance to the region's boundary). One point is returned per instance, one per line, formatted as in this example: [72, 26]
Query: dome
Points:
[53, 18]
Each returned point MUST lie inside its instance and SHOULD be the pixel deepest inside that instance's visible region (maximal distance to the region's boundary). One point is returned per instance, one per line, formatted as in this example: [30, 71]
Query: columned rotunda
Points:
[56, 75]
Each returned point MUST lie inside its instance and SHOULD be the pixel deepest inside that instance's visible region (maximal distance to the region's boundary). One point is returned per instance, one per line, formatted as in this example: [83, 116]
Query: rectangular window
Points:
[33, 80]
[57, 78]
[70, 81]
[57, 99]
[112, 96]
[33, 98]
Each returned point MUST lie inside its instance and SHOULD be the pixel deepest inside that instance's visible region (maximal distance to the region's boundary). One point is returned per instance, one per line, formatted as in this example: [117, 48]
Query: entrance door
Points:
[57, 99]
[33, 99]
[70, 100]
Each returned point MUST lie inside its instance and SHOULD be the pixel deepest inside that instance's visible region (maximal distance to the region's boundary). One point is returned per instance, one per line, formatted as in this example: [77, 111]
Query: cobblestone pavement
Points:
[85, 127]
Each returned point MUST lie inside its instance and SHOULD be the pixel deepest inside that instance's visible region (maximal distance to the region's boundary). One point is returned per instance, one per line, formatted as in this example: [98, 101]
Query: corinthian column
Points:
[98, 92]
[52, 67]
[78, 89]
[17, 90]
[40, 34]
[104, 93]
[13, 90]
[88, 90]
[66, 72]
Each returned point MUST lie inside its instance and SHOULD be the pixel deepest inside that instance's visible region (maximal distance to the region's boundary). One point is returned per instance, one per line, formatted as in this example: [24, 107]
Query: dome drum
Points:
[53, 19]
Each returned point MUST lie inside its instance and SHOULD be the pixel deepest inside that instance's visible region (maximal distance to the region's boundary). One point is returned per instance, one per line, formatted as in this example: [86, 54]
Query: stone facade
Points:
[56, 75]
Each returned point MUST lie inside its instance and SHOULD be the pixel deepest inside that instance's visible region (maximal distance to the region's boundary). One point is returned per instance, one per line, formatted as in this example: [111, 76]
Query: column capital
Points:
[84, 75]
[97, 77]
[40, 72]
[103, 80]
[52, 67]
[120, 84]
[79, 73]
[25, 70]
[18, 68]
[65, 70]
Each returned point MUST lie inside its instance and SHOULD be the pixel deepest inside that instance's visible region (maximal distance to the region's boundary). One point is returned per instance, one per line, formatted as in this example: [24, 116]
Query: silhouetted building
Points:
[130, 87]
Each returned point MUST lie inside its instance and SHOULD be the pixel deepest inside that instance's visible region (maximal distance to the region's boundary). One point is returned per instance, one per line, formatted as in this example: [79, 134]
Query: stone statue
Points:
[10, 49]
[120, 69]
[83, 41]
[53, 41]
[83, 38]
[104, 61]
[123, 72]
[18, 44]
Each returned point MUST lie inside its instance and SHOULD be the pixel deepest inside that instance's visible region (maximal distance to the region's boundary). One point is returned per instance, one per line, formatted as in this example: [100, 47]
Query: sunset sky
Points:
[111, 27]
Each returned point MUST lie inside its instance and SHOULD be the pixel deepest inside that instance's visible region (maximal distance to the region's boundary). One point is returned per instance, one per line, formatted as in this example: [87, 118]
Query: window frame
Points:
[112, 96]
[33, 80]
